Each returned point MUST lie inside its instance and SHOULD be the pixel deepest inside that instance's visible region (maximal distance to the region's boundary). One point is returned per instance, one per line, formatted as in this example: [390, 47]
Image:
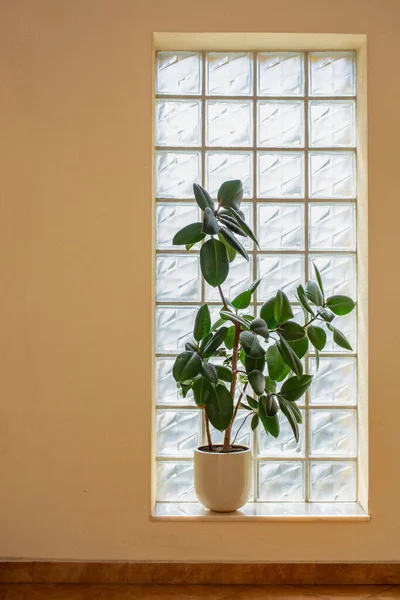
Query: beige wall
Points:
[76, 291]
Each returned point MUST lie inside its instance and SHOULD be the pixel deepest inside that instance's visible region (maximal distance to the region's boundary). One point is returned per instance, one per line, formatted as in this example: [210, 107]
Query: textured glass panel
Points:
[222, 166]
[166, 389]
[332, 226]
[332, 74]
[177, 432]
[281, 226]
[333, 482]
[338, 273]
[332, 175]
[174, 326]
[280, 482]
[285, 444]
[280, 124]
[245, 437]
[283, 272]
[177, 277]
[175, 482]
[334, 382]
[178, 73]
[229, 123]
[280, 74]
[348, 326]
[170, 218]
[229, 74]
[178, 123]
[333, 432]
[248, 215]
[332, 124]
[280, 175]
[176, 172]
[239, 278]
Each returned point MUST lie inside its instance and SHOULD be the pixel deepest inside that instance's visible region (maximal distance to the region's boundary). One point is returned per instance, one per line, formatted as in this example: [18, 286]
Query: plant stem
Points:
[209, 440]
[244, 421]
[227, 437]
[223, 298]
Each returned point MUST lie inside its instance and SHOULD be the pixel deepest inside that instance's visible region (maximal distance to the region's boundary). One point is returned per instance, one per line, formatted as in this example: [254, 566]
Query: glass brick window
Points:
[285, 124]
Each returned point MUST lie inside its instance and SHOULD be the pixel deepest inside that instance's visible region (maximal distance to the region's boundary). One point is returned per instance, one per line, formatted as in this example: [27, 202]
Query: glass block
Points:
[334, 382]
[167, 391]
[280, 175]
[280, 481]
[280, 124]
[223, 166]
[332, 74]
[178, 277]
[177, 432]
[174, 327]
[229, 74]
[178, 73]
[170, 218]
[332, 124]
[280, 74]
[175, 481]
[348, 326]
[333, 432]
[245, 437]
[332, 175]
[332, 226]
[239, 278]
[229, 123]
[333, 482]
[283, 272]
[176, 172]
[281, 226]
[285, 444]
[338, 272]
[178, 123]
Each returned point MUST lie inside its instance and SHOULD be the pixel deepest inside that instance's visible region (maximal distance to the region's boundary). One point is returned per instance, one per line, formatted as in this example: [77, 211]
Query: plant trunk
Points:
[228, 430]
[208, 432]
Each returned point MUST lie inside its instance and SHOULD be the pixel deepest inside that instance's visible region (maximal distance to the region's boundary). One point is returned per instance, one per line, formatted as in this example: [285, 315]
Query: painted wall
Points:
[76, 281]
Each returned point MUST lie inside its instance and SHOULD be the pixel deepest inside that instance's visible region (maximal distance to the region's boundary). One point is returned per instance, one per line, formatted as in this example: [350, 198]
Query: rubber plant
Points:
[262, 370]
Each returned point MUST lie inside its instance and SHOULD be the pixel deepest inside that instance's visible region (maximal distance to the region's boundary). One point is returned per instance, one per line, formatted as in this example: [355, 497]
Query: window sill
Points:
[263, 511]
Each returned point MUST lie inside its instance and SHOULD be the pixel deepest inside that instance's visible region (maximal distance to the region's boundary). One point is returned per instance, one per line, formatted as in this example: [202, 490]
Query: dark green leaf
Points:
[253, 286]
[271, 405]
[234, 318]
[339, 338]
[230, 337]
[210, 223]
[203, 198]
[319, 279]
[326, 314]
[214, 262]
[189, 235]
[282, 310]
[219, 407]
[191, 347]
[317, 336]
[289, 357]
[242, 223]
[242, 300]
[187, 365]
[300, 347]
[209, 372]
[292, 331]
[205, 342]
[252, 402]
[303, 300]
[313, 293]
[285, 373]
[295, 387]
[340, 305]
[202, 324]
[229, 250]
[216, 340]
[246, 406]
[289, 414]
[185, 388]
[218, 323]
[260, 327]
[271, 424]
[201, 391]
[296, 412]
[255, 421]
[254, 364]
[267, 313]
[231, 224]
[251, 345]
[275, 362]
[230, 194]
[224, 373]
[270, 384]
[233, 242]
[257, 382]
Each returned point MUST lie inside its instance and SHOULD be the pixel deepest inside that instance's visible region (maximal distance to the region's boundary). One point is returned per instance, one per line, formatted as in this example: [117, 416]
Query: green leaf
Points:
[292, 331]
[257, 382]
[275, 362]
[246, 406]
[340, 305]
[254, 364]
[260, 327]
[189, 235]
[201, 391]
[231, 224]
[202, 323]
[270, 384]
[282, 310]
[289, 357]
[303, 300]
[185, 388]
[317, 336]
[242, 300]
[285, 373]
[210, 223]
[271, 424]
[267, 313]
[230, 337]
[187, 365]
[234, 318]
[271, 405]
[251, 345]
[214, 262]
[224, 373]
[218, 323]
[242, 223]
[209, 372]
[313, 293]
[300, 347]
[253, 286]
[319, 279]
[252, 401]
[205, 342]
[255, 420]
[229, 250]
[296, 411]
[295, 387]
[326, 314]
[233, 242]
[219, 407]
[216, 340]
[290, 415]
[203, 198]
[339, 338]
[230, 194]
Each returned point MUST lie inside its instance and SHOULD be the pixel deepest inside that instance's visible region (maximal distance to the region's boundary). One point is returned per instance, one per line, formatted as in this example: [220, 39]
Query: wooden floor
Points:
[195, 592]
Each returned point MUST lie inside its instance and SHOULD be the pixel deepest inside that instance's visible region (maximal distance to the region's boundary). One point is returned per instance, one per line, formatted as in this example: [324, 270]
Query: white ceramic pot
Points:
[222, 480]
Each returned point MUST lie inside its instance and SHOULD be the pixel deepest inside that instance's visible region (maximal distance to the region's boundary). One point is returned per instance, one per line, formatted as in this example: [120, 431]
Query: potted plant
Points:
[262, 370]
